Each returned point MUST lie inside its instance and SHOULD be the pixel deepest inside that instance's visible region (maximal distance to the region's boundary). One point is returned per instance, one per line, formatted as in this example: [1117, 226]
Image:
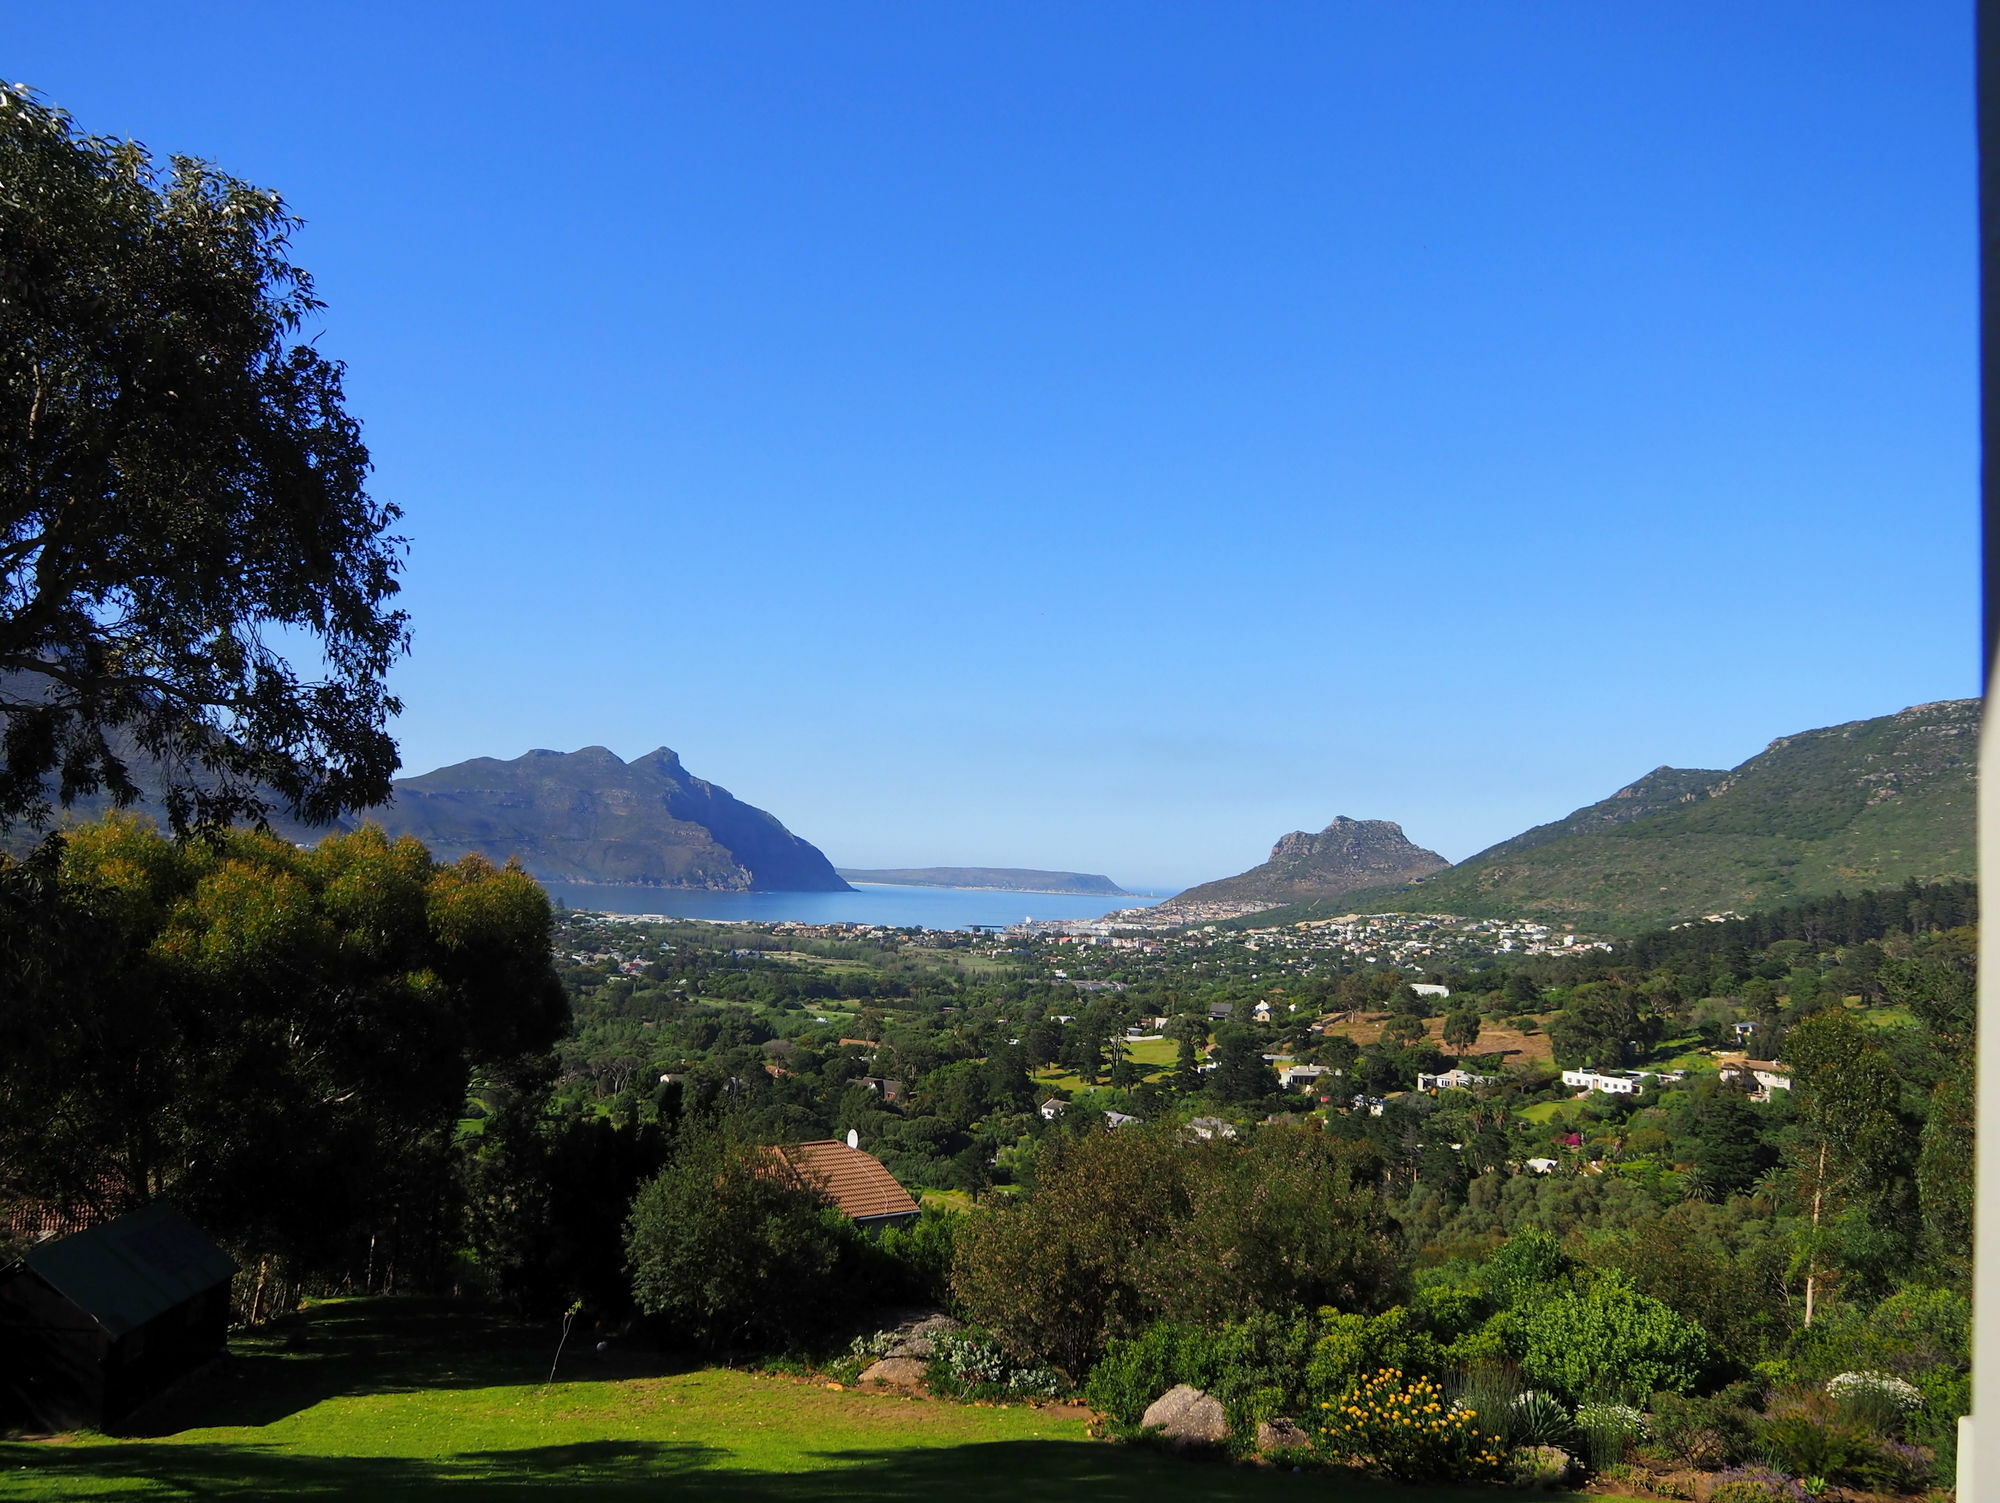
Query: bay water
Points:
[869, 903]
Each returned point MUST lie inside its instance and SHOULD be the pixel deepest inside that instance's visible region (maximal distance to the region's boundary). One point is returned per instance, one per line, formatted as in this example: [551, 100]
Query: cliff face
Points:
[586, 816]
[1347, 855]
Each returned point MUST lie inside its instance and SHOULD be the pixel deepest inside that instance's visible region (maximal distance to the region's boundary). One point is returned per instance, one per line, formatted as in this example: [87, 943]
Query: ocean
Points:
[869, 903]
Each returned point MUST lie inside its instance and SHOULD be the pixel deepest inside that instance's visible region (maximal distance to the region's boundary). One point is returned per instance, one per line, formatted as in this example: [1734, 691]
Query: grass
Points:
[387, 1400]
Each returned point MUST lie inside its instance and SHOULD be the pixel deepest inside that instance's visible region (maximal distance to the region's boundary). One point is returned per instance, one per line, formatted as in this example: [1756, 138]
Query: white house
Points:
[1617, 1082]
[1211, 1127]
[1053, 1108]
[1542, 1166]
[1118, 1119]
[1768, 1073]
[1453, 1080]
[1428, 989]
[1294, 1076]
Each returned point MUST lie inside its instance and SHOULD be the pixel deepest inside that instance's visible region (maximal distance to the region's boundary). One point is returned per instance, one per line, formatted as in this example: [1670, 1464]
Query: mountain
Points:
[1868, 804]
[993, 878]
[585, 816]
[1347, 855]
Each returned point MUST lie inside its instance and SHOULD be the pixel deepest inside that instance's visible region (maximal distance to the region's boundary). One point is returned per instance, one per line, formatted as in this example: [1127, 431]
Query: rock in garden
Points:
[914, 1339]
[897, 1372]
[1188, 1417]
[1281, 1435]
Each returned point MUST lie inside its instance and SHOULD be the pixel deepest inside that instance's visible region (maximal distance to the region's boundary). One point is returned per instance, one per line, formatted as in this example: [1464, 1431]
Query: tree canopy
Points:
[194, 581]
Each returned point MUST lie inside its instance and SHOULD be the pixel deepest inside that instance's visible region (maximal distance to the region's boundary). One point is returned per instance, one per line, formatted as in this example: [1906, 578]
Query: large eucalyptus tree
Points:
[193, 577]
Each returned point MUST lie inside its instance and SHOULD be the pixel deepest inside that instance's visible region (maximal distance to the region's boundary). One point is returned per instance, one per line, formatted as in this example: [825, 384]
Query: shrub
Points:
[1408, 1430]
[1258, 1367]
[1537, 1466]
[1877, 1400]
[1757, 1485]
[1842, 1453]
[1136, 1370]
[1702, 1432]
[1352, 1346]
[730, 1246]
[970, 1365]
[1607, 1429]
[1610, 1339]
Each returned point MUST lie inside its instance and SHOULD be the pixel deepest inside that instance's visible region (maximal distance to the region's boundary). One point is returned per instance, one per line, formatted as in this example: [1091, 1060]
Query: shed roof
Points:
[853, 1180]
[129, 1270]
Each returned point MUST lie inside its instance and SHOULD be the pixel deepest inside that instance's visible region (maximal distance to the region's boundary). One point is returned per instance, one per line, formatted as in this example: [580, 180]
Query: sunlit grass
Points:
[390, 1400]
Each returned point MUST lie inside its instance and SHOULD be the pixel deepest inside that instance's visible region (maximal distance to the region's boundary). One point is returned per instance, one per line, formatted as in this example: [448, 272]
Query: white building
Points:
[1454, 1080]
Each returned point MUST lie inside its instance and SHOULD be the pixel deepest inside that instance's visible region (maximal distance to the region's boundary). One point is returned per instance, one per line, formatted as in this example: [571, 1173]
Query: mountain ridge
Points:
[1866, 803]
[588, 816]
[1349, 854]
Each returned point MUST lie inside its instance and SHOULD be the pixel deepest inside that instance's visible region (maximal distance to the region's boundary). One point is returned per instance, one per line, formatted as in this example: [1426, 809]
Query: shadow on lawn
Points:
[376, 1346]
[633, 1470]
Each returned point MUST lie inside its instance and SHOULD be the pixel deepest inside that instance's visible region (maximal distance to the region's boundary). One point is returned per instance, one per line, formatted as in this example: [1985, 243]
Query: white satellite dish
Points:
[853, 1138]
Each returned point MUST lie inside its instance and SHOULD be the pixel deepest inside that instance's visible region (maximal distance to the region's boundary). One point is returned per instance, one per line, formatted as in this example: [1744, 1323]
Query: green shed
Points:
[93, 1325]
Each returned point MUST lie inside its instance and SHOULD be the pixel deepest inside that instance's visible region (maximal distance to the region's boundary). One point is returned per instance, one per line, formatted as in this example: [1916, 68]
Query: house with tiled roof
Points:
[856, 1182]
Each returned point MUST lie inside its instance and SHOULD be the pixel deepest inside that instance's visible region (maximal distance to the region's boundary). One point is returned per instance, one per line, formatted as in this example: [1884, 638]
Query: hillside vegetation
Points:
[1869, 804]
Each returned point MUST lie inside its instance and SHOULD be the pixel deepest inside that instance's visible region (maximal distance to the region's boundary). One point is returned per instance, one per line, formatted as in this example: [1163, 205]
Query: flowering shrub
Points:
[1876, 1399]
[1408, 1430]
[1621, 1417]
[1607, 1429]
[967, 1364]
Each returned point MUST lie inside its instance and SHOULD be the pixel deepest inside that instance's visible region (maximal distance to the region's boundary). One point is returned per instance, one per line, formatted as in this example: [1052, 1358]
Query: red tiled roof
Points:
[853, 1180]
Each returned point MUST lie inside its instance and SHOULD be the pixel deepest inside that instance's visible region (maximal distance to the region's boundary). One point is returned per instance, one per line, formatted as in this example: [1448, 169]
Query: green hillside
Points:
[1866, 804]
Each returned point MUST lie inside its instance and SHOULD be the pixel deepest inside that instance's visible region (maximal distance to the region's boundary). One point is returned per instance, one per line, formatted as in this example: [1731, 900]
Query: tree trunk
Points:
[1812, 1256]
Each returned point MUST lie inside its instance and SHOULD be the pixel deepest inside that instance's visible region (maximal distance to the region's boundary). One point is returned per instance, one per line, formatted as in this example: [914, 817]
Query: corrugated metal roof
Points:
[853, 1180]
[127, 1271]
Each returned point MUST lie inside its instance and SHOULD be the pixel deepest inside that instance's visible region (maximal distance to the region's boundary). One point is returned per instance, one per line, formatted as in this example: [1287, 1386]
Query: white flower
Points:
[1880, 1385]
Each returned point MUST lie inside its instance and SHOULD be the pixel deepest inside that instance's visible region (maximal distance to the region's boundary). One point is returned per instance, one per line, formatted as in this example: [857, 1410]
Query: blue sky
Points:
[1108, 436]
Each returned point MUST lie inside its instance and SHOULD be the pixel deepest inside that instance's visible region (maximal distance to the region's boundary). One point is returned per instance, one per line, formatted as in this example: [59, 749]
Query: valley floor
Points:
[391, 1399]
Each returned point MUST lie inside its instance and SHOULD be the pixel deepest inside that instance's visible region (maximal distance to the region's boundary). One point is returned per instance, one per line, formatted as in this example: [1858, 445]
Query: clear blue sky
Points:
[1105, 435]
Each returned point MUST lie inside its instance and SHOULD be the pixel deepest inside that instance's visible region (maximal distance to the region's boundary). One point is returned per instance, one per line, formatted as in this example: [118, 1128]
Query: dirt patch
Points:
[1518, 1049]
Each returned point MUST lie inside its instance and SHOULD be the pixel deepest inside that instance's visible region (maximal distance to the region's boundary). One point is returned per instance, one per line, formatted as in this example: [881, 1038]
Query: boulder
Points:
[897, 1372]
[1281, 1435]
[914, 1340]
[1186, 1416]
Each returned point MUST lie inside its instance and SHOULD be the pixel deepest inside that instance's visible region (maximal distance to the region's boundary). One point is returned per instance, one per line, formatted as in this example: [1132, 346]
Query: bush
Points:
[730, 1247]
[969, 1365]
[1876, 1400]
[1136, 1370]
[1257, 1368]
[1607, 1429]
[1538, 1466]
[1708, 1433]
[1758, 1485]
[1352, 1346]
[1844, 1453]
[1610, 1341]
[1408, 1430]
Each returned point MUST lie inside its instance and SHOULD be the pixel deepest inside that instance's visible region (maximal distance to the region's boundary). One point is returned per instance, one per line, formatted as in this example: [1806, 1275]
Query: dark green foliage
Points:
[1137, 1225]
[184, 499]
[1810, 1446]
[278, 1040]
[1708, 1432]
[731, 1247]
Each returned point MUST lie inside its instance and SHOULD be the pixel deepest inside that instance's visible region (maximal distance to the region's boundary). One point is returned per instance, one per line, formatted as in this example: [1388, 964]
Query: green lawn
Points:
[403, 1399]
[1543, 1112]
